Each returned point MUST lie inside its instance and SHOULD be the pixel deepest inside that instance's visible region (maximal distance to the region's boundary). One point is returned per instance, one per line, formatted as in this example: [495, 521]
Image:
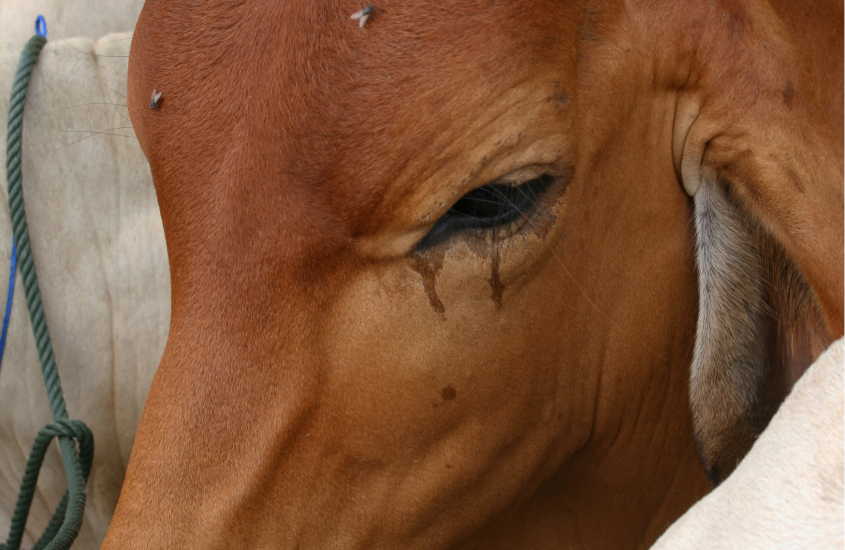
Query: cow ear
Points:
[759, 328]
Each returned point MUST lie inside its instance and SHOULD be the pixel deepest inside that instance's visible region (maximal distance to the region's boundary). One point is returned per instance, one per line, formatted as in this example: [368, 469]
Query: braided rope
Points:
[67, 519]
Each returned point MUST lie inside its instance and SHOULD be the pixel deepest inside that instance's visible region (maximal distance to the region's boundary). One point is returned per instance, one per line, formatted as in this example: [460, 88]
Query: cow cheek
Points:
[451, 402]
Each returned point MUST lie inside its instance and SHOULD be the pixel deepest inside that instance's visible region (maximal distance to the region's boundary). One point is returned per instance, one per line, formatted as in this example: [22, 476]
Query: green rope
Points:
[67, 519]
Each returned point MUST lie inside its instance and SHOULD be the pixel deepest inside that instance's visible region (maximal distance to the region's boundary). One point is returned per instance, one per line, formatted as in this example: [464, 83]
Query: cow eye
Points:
[491, 206]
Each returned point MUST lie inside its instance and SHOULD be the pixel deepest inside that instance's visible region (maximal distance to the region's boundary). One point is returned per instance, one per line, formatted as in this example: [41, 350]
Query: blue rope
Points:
[9, 297]
[41, 26]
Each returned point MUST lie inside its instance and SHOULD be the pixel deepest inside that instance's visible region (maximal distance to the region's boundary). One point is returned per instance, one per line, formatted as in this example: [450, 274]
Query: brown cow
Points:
[433, 277]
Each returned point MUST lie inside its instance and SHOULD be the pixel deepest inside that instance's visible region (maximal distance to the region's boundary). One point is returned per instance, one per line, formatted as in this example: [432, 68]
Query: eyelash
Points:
[491, 206]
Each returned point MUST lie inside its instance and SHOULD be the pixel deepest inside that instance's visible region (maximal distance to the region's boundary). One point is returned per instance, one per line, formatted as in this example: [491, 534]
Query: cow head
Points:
[434, 278]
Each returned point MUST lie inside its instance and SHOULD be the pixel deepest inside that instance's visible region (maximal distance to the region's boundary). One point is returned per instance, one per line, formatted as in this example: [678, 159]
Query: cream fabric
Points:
[788, 491]
[100, 255]
[67, 18]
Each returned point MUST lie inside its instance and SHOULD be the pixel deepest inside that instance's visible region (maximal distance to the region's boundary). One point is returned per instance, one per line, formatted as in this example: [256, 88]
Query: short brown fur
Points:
[299, 158]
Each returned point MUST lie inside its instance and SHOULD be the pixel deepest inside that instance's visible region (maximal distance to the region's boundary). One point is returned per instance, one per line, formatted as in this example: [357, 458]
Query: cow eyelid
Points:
[488, 207]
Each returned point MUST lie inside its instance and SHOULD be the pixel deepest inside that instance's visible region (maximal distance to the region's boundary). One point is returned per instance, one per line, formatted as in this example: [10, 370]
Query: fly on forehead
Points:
[155, 99]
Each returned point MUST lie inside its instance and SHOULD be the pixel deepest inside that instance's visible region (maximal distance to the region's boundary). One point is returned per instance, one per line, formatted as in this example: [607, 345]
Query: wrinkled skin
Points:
[327, 384]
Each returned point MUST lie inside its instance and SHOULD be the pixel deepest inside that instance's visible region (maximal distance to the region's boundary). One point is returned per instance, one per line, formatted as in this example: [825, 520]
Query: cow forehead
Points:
[294, 97]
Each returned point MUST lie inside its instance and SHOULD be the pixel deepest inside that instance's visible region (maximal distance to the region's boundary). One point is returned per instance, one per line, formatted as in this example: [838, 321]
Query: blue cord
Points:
[40, 29]
[41, 26]
[9, 299]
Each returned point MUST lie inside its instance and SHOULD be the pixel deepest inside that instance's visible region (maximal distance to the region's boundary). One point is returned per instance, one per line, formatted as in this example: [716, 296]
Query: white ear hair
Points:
[729, 359]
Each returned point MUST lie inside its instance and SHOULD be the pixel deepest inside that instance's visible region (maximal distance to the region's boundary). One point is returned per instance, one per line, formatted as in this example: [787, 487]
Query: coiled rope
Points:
[67, 519]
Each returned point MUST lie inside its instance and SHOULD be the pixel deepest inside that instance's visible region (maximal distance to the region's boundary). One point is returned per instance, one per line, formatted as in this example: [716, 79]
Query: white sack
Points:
[100, 255]
[787, 492]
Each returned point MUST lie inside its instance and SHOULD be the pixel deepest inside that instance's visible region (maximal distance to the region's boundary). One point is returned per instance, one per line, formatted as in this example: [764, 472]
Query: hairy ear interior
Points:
[759, 328]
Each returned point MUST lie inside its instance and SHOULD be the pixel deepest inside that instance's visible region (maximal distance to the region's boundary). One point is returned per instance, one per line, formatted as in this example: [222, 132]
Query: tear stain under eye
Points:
[480, 245]
[428, 265]
[496, 286]
[542, 224]
[544, 220]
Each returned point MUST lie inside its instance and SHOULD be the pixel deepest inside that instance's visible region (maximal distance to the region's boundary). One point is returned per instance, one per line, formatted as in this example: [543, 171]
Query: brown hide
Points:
[327, 383]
